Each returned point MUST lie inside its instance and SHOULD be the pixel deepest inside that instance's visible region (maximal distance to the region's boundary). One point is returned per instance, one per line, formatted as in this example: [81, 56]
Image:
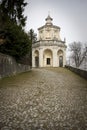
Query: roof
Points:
[52, 26]
[48, 24]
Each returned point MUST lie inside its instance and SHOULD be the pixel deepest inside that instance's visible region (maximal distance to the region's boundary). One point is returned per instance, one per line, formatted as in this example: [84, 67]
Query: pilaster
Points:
[33, 59]
[40, 57]
[55, 60]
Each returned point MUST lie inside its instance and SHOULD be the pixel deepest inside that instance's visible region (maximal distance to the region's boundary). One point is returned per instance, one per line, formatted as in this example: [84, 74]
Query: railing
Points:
[49, 43]
[9, 66]
[82, 73]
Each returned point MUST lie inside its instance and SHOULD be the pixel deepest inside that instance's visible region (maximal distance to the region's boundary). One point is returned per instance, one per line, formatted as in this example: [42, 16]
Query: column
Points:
[40, 57]
[33, 59]
[55, 59]
[64, 58]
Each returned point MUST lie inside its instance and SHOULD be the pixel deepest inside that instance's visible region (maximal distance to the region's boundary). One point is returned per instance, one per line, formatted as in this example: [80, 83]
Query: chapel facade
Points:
[49, 50]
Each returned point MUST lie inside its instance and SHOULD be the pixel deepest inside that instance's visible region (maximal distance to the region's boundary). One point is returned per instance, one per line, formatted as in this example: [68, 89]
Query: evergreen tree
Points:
[16, 43]
[32, 38]
[13, 9]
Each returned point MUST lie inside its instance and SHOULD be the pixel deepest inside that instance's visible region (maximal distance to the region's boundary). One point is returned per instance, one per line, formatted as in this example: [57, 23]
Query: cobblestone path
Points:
[43, 99]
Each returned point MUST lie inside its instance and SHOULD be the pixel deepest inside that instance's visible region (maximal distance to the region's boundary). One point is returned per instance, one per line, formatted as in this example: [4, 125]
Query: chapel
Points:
[49, 50]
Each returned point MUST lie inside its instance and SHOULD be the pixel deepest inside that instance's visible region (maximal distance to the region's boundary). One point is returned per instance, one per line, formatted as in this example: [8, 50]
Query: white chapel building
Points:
[49, 50]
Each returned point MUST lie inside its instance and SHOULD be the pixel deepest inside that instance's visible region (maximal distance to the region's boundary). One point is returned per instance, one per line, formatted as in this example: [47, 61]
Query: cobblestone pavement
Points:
[43, 99]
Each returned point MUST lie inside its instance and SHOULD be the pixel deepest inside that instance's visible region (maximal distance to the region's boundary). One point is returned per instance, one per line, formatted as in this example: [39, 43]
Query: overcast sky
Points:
[70, 15]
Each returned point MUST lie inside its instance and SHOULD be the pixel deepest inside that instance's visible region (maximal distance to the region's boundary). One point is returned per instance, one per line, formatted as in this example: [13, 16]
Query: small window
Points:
[48, 61]
[55, 31]
[41, 31]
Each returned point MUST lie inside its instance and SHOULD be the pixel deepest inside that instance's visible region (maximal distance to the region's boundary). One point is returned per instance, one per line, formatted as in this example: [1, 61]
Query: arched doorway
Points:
[60, 57]
[48, 58]
[36, 58]
[60, 61]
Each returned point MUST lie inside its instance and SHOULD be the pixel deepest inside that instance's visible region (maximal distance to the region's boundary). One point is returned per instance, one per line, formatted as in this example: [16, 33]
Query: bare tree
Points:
[78, 52]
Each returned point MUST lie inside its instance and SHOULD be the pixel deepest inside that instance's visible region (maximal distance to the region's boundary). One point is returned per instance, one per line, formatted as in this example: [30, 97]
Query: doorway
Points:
[48, 61]
[48, 58]
[36, 61]
[60, 61]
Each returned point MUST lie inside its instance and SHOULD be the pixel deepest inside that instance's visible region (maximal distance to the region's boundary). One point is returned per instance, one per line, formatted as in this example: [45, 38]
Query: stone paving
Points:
[43, 99]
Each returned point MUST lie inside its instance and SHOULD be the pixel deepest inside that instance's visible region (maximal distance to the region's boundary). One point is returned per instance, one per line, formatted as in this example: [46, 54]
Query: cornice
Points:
[50, 26]
[49, 43]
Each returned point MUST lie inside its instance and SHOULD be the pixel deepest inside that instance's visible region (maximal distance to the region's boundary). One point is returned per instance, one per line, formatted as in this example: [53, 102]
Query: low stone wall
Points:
[80, 72]
[9, 66]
